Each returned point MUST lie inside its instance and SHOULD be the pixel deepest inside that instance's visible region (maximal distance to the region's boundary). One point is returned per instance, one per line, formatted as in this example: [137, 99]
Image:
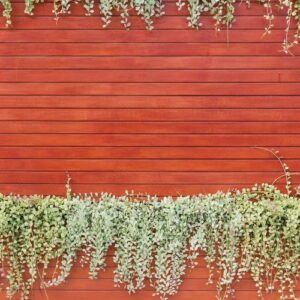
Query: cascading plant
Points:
[222, 11]
[146, 9]
[32, 233]
[251, 231]
[292, 17]
[7, 10]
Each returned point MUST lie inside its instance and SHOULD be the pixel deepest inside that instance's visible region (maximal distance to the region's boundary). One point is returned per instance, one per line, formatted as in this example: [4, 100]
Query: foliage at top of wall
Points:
[222, 11]
[155, 240]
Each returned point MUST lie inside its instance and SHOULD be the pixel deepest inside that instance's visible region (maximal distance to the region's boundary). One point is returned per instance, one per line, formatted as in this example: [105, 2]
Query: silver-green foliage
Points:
[146, 9]
[222, 11]
[32, 233]
[155, 240]
[7, 9]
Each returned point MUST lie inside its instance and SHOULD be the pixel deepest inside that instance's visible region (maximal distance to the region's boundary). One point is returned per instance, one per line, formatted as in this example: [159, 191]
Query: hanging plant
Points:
[7, 9]
[222, 11]
[146, 9]
[293, 16]
[253, 230]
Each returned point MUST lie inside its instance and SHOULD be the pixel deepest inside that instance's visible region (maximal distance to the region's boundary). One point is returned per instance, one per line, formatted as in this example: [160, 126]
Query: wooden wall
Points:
[172, 111]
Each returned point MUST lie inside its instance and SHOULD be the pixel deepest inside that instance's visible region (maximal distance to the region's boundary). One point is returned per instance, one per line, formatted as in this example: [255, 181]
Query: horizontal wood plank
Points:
[180, 152]
[149, 63]
[179, 36]
[144, 140]
[149, 89]
[186, 76]
[195, 48]
[156, 102]
[123, 177]
[143, 115]
[140, 127]
[184, 165]
[117, 189]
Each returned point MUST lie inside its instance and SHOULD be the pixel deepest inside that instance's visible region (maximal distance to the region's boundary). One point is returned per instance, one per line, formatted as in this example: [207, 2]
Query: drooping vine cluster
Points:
[147, 10]
[292, 17]
[222, 11]
[250, 231]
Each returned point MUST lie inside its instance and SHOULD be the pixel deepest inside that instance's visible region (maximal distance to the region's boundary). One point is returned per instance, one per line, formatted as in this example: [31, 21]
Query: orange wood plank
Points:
[143, 49]
[143, 140]
[182, 36]
[149, 63]
[30, 177]
[143, 115]
[153, 152]
[117, 189]
[184, 165]
[150, 89]
[97, 127]
[157, 102]
[186, 76]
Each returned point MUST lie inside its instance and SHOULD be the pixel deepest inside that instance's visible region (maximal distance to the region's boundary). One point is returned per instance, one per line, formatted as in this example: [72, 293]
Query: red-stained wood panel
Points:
[150, 88]
[157, 102]
[153, 114]
[173, 111]
[187, 76]
[161, 62]
[150, 127]
[195, 48]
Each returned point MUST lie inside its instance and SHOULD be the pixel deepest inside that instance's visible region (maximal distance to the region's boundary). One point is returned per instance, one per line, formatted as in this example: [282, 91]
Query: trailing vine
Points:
[6, 13]
[249, 231]
[222, 11]
[293, 16]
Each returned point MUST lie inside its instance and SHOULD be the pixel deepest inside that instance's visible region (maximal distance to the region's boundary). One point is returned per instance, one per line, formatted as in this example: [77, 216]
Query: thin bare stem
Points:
[283, 165]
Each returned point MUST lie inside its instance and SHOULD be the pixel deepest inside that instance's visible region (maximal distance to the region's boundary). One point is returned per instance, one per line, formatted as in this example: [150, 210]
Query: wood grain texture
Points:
[172, 111]
[145, 63]
[145, 295]
[195, 48]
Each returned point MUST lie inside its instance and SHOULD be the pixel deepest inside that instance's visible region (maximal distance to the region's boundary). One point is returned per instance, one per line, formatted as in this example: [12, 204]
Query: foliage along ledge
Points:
[222, 11]
[250, 231]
